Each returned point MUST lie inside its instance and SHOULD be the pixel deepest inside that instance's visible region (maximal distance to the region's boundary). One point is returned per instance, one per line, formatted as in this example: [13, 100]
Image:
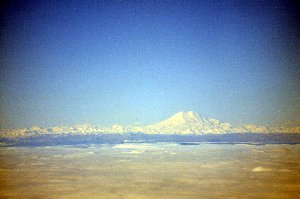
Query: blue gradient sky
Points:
[137, 62]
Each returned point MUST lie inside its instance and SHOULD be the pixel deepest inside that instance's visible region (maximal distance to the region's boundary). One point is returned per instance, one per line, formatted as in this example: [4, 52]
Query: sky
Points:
[138, 62]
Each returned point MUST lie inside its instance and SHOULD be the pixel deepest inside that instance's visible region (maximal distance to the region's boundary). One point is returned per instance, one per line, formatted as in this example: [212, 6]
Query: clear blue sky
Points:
[137, 62]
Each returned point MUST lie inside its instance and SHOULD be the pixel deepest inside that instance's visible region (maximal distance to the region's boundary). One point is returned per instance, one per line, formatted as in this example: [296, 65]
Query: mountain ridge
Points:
[182, 123]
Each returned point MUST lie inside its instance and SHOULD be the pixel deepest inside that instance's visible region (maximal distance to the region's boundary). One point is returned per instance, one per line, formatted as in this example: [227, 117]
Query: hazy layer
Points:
[151, 171]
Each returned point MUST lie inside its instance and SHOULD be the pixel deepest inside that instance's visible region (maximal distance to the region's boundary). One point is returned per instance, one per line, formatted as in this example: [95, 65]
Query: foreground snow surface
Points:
[151, 170]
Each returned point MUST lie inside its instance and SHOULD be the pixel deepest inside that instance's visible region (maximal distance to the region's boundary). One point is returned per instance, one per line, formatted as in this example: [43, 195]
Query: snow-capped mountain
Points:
[188, 123]
[181, 123]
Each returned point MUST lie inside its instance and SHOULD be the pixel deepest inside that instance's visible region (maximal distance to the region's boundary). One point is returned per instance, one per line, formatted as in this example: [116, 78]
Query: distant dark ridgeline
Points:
[230, 138]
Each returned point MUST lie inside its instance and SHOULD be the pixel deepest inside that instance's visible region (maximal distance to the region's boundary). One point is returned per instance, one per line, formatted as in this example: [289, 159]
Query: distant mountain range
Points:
[183, 127]
[182, 123]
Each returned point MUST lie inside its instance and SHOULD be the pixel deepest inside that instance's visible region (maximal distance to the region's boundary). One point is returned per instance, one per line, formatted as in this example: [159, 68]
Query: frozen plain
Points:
[151, 170]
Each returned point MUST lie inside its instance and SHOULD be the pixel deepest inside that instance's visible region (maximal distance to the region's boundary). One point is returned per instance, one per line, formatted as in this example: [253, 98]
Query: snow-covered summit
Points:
[182, 118]
[188, 123]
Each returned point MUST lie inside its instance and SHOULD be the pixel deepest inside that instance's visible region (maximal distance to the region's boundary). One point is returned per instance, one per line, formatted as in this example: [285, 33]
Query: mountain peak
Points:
[188, 114]
[189, 123]
[182, 118]
[192, 114]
